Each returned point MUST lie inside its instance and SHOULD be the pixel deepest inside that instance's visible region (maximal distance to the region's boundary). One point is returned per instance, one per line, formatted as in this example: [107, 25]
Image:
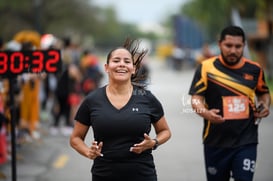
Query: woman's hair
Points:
[132, 45]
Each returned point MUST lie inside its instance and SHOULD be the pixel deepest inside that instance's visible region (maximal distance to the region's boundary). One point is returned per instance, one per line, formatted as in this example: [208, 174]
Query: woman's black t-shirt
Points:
[120, 129]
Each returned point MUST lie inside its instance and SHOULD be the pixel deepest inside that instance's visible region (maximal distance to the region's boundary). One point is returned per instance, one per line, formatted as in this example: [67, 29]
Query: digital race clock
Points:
[17, 62]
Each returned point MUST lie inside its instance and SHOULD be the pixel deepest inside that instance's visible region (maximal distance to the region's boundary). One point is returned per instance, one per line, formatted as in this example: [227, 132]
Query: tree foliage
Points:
[213, 15]
[64, 18]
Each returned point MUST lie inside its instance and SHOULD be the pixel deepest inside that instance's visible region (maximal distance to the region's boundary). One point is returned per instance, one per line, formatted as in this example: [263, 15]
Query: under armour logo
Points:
[212, 170]
[135, 109]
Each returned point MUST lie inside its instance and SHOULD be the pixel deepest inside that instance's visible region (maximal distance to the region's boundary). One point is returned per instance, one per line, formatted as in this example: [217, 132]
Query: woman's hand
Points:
[95, 150]
[147, 143]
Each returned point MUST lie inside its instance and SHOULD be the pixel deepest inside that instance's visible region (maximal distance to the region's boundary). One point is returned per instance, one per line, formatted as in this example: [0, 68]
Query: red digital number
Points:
[37, 62]
[3, 63]
[16, 62]
[51, 64]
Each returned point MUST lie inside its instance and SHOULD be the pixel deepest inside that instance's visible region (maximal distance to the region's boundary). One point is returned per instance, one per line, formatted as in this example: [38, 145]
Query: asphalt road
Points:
[180, 159]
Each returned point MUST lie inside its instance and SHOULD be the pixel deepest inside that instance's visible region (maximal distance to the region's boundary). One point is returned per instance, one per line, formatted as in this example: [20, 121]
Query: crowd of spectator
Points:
[54, 97]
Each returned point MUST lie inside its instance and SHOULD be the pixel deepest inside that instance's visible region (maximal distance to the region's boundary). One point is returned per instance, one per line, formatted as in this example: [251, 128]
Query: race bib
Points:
[235, 107]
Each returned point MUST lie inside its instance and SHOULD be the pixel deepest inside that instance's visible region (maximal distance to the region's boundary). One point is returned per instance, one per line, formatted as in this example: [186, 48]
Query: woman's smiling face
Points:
[120, 65]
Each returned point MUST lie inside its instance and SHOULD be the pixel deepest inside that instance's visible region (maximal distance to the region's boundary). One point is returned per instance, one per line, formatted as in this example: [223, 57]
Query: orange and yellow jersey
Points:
[232, 90]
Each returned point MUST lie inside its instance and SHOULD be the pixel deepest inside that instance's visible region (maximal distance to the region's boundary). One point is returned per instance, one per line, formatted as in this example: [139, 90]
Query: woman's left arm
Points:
[163, 134]
[162, 130]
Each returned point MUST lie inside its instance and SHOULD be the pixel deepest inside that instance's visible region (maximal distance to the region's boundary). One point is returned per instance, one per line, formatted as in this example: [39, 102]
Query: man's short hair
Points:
[233, 31]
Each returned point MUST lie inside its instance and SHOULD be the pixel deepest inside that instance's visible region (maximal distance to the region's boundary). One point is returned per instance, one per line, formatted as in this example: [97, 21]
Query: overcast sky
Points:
[142, 11]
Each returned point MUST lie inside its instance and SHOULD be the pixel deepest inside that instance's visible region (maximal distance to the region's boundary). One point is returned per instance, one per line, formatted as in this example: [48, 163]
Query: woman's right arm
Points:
[77, 142]
[77, 138]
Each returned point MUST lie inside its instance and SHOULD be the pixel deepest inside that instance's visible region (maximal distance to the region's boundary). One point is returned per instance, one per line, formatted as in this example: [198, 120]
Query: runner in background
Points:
[230, 93]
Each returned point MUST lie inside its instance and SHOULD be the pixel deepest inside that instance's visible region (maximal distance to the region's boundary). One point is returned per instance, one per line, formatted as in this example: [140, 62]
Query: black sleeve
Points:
[83, 113]
[156, 108]
[197, 83]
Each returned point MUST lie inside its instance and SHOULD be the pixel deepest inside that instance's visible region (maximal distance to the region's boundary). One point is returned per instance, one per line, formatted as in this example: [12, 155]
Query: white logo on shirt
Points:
[135, 109]
[212, 170]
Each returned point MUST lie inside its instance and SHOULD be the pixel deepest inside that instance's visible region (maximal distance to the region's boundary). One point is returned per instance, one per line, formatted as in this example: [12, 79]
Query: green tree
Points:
[64, 18]
[213, 15]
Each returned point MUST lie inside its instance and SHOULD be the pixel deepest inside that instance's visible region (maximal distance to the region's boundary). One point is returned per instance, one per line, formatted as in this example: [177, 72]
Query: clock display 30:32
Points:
[37, 61]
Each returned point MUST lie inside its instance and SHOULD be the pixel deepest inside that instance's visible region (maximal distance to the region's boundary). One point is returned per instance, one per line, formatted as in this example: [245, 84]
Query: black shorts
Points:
[124, 171]
[223, 163]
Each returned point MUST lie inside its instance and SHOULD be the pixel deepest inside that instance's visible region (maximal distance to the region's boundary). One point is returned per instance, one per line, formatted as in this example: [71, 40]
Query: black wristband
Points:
[156, 144]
